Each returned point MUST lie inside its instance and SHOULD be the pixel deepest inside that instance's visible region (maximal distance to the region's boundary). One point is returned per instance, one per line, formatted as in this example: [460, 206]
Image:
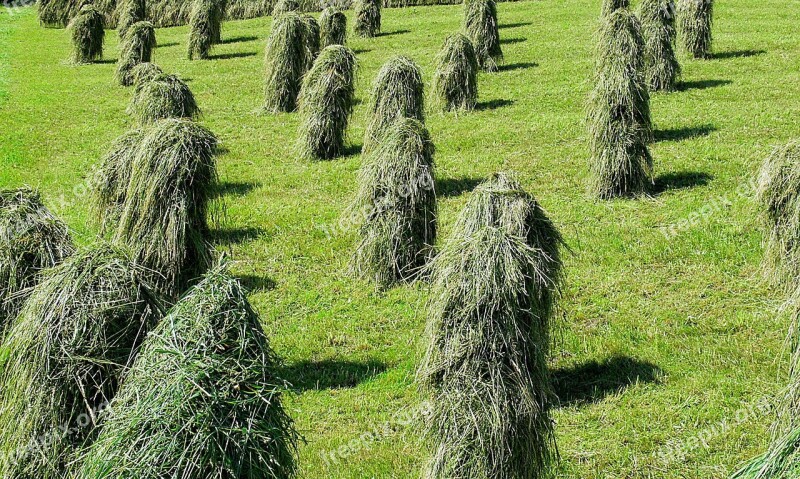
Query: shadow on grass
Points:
[511, 41]
[737, 54]
[493, 104]
[236, 188]
[359, 51]
[235, 235]
[450, 187]
[168, 44]
[517, 66]
[240, 39]
[329, 374]
[352, 150]
[396, 32]
[515, 25]
[256, 284]
[229, 56]
[591, 382]
[686, 133]
[702, 84]
[680, 180]
[105, 61]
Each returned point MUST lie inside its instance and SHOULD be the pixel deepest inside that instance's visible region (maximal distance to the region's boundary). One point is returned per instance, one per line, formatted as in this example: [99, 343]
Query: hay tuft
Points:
[165, 96]
[64, 356]
[284, 63]
[480, 25]
[137, 47]
[619, 111]
[145, 71]
[205, 27]
[485, 370]
[202, 399]
[397, 92]
[333, 27]
[455, 83]
[696, 21]
[396, 202]
[326, 103]
[130, 12]
[32, 239]
[87, 36]
[662, 69]
[367, 23]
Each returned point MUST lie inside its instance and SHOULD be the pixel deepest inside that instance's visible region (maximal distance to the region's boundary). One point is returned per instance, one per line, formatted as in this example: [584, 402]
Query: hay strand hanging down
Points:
[662, 69]
[165, 96]
[167, 203]
[480, 25]
[130, 12]
[32, 239]
[145, 71]
[64, 356]
[397, 92]
[137, 47]
[455, 82]
[311, 39]
[619, 111]
[284, 63]
[396, 201]
[487, 336]
[326, 103]
[696, 21]
[333, 27]
[367, 23]
[285, 6]
[202, 399]
[205, 27]
[87, 36]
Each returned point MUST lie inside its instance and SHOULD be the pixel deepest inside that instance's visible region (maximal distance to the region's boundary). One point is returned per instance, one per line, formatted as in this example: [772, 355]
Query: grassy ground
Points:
[665, 338]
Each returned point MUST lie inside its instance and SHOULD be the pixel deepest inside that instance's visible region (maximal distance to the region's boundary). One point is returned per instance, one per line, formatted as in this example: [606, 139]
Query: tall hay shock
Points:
[284, 63]
[480, 25]
[64, 356]
[32, 239]
[87, 35]
[137, 47]
[202, 398]
[494, 287]
[696, 21]
[333, 27]
[145, 71]
[205, 28]
[396, 201]
[611, 6]
[164, 218]
[455, 83]
[112, 179]
[165, 96]
[311, 39]
[662, 69]
[397, 92]
[619, 111]
[326, 103]
[130, 12]
[367, 23]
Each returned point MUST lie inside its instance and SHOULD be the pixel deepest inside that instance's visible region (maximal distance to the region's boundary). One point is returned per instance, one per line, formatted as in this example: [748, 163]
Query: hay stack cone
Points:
[285, 63]
[480, 25]
[205, 27]
[367, 23]
[87, 35]
[455, 83]
[696, 21]
[137, 47]
[333, 27]
[130, 12]
[662, 69]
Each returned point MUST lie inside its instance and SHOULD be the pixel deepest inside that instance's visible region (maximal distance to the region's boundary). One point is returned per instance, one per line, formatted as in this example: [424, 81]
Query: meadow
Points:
[668, 338]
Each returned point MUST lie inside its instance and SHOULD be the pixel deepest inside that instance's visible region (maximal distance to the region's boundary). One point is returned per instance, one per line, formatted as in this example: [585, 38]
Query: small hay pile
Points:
[611, 6]
[367, 23]
[130, 12]
[311, 39]
[32, 239]
[137, 47]
[485, 369]
[205, 27]
[480, 25]
[201, 400]
[396, 200]
[285, 6]
[619, 111]
[326, 103]
[455, 83]
[696, 21]
[168, 201]
[658, 29]
[397, 92]
[333, 27]
[64, 355]
[87, 35]
[165, 96]
[284, 63]
[145, 71]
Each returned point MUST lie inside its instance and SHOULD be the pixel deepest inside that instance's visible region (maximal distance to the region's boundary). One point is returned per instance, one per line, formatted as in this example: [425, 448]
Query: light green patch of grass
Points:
[688, 316]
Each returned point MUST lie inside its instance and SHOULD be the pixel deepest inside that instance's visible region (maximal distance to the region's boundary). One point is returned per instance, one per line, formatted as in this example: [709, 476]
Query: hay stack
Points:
[397, 92]
[326, 103]
[202, 399]
[205, 27]
[284, 63]
[87, 35]
[619, 111]
[311, 39]
[480, 25]
[130, 12]
[333, 27]
[455, 83]
[485, 369]
[167, 201]
[397, 201]
[658, 29]
[64, 356]
[137, 47]
[32, 239]
[165, 96]
[367, 23]
[696, 21]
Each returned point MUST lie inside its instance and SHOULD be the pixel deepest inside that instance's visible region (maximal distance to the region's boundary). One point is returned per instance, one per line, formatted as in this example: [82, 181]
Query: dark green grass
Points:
[635, 303]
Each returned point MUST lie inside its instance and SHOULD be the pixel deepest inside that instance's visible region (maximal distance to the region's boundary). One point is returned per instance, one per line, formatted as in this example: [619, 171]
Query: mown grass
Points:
[663, 338]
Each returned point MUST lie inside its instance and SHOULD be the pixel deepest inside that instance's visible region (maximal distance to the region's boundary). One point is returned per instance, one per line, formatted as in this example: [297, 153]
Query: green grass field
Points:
[665, 339]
